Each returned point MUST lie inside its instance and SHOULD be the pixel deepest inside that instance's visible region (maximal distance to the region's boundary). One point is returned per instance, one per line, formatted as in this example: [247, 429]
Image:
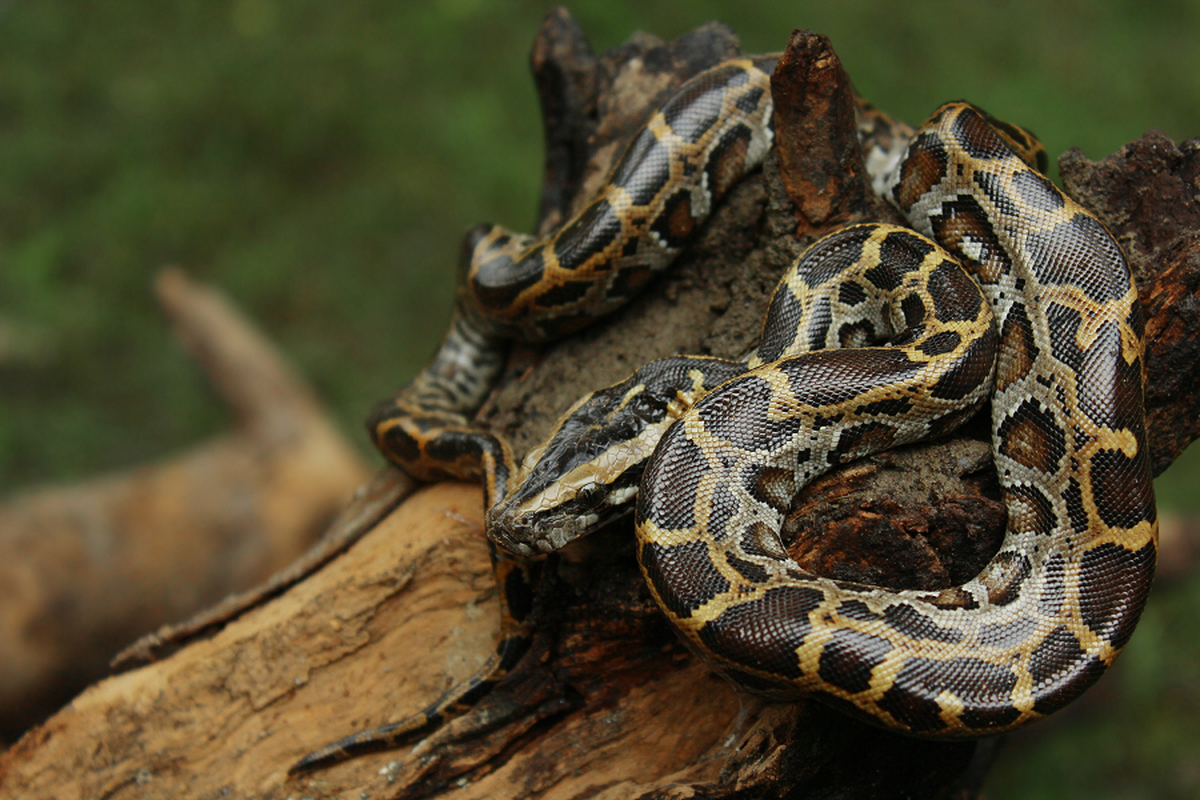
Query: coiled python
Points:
[874, 338]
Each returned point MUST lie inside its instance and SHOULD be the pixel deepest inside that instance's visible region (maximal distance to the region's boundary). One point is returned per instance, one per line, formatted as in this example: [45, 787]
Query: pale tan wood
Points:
[375, 635]
[87, 567]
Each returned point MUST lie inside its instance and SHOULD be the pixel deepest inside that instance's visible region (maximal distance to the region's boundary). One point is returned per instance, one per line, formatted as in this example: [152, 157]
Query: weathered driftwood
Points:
[609, 704]
[86, 567]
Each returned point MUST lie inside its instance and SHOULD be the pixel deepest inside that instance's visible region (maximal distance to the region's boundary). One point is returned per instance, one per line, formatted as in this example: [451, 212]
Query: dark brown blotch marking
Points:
[900, 253]
[851, 294]
[1031, 437]
[922, 169]
[963, 220]
[1114, 583]
[1122, 488]
[683, 575]
[906, 250]
[696, 107]
[779, 326]
[738, 415]
[835, 376]
[1059, 652]
[909, 621]
[497, 281]
[940, 343]
[1069, 253]
[985, 689]
[591, 232]
[1005, 575]
[1080, 675]
[1029, 509]
[765, 632]
[564, 294]
[748, 101]
[889, 408]
[849, 656]
[969, 127]
[452, 445]
[969, 370]
[1077, 513]
[1017, 347]
[1064, 325]
[819, 321]
[956, 298]
[1110, 388]
[828, 258]
[752, 572]
[774, 486]
[398, 443]
[857, 610]
[675, 224]
[674, 471]
[861, 440]
[914, 311]
[1061, 670]
[727, 161]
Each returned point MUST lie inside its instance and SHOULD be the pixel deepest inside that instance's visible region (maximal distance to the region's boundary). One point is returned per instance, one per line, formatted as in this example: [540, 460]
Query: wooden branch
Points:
[87, 567]
[608, 703]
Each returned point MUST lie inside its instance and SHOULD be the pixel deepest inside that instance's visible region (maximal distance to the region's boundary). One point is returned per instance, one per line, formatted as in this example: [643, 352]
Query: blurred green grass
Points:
[320, 162]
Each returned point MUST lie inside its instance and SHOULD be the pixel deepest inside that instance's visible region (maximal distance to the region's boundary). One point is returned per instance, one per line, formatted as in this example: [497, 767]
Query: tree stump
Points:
[609, 703]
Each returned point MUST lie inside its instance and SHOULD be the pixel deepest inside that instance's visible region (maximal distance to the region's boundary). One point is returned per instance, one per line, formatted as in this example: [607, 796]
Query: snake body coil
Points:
[912, 357]
[1055, 605]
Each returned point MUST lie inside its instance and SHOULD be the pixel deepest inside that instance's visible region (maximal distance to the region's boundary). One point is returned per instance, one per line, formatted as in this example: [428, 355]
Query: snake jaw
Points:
[527, 535]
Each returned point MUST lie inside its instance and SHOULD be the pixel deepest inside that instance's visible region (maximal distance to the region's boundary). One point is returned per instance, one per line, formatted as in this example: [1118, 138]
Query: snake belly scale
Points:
[874, 338]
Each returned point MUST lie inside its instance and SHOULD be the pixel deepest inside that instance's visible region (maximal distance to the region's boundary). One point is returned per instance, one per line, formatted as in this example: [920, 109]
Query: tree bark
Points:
[609, 703]
[86, 567]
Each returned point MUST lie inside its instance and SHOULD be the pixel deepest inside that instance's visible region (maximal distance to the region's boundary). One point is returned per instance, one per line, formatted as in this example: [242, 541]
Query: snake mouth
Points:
[523, 537]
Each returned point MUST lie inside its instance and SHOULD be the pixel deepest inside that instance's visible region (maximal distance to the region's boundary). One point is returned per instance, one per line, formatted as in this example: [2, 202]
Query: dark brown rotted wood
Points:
[609, 703]
[820, 161]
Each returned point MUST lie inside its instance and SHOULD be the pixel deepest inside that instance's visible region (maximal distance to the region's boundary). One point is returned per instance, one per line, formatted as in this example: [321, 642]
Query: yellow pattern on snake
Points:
[874, 338]
[1059, 600]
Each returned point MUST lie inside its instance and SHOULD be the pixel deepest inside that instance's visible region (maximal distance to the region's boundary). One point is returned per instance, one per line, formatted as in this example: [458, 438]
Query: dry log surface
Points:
[86, 567]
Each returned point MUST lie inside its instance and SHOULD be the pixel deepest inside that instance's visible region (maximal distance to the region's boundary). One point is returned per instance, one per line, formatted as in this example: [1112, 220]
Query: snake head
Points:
[586, 474]
[581, 479]
[549, 520]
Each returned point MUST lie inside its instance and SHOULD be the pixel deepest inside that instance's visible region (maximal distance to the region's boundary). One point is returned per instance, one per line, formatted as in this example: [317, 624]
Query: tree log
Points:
[86, 567]
[608, 703]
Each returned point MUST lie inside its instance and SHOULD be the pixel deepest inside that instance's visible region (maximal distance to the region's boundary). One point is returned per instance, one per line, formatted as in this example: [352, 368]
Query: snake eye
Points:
[590, 495]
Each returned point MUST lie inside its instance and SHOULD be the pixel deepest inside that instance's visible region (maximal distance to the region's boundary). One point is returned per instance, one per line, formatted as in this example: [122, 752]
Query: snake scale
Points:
[1005, 289]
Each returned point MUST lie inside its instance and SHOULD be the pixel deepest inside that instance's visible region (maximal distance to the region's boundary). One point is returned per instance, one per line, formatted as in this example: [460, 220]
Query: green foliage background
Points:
[319, 161]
